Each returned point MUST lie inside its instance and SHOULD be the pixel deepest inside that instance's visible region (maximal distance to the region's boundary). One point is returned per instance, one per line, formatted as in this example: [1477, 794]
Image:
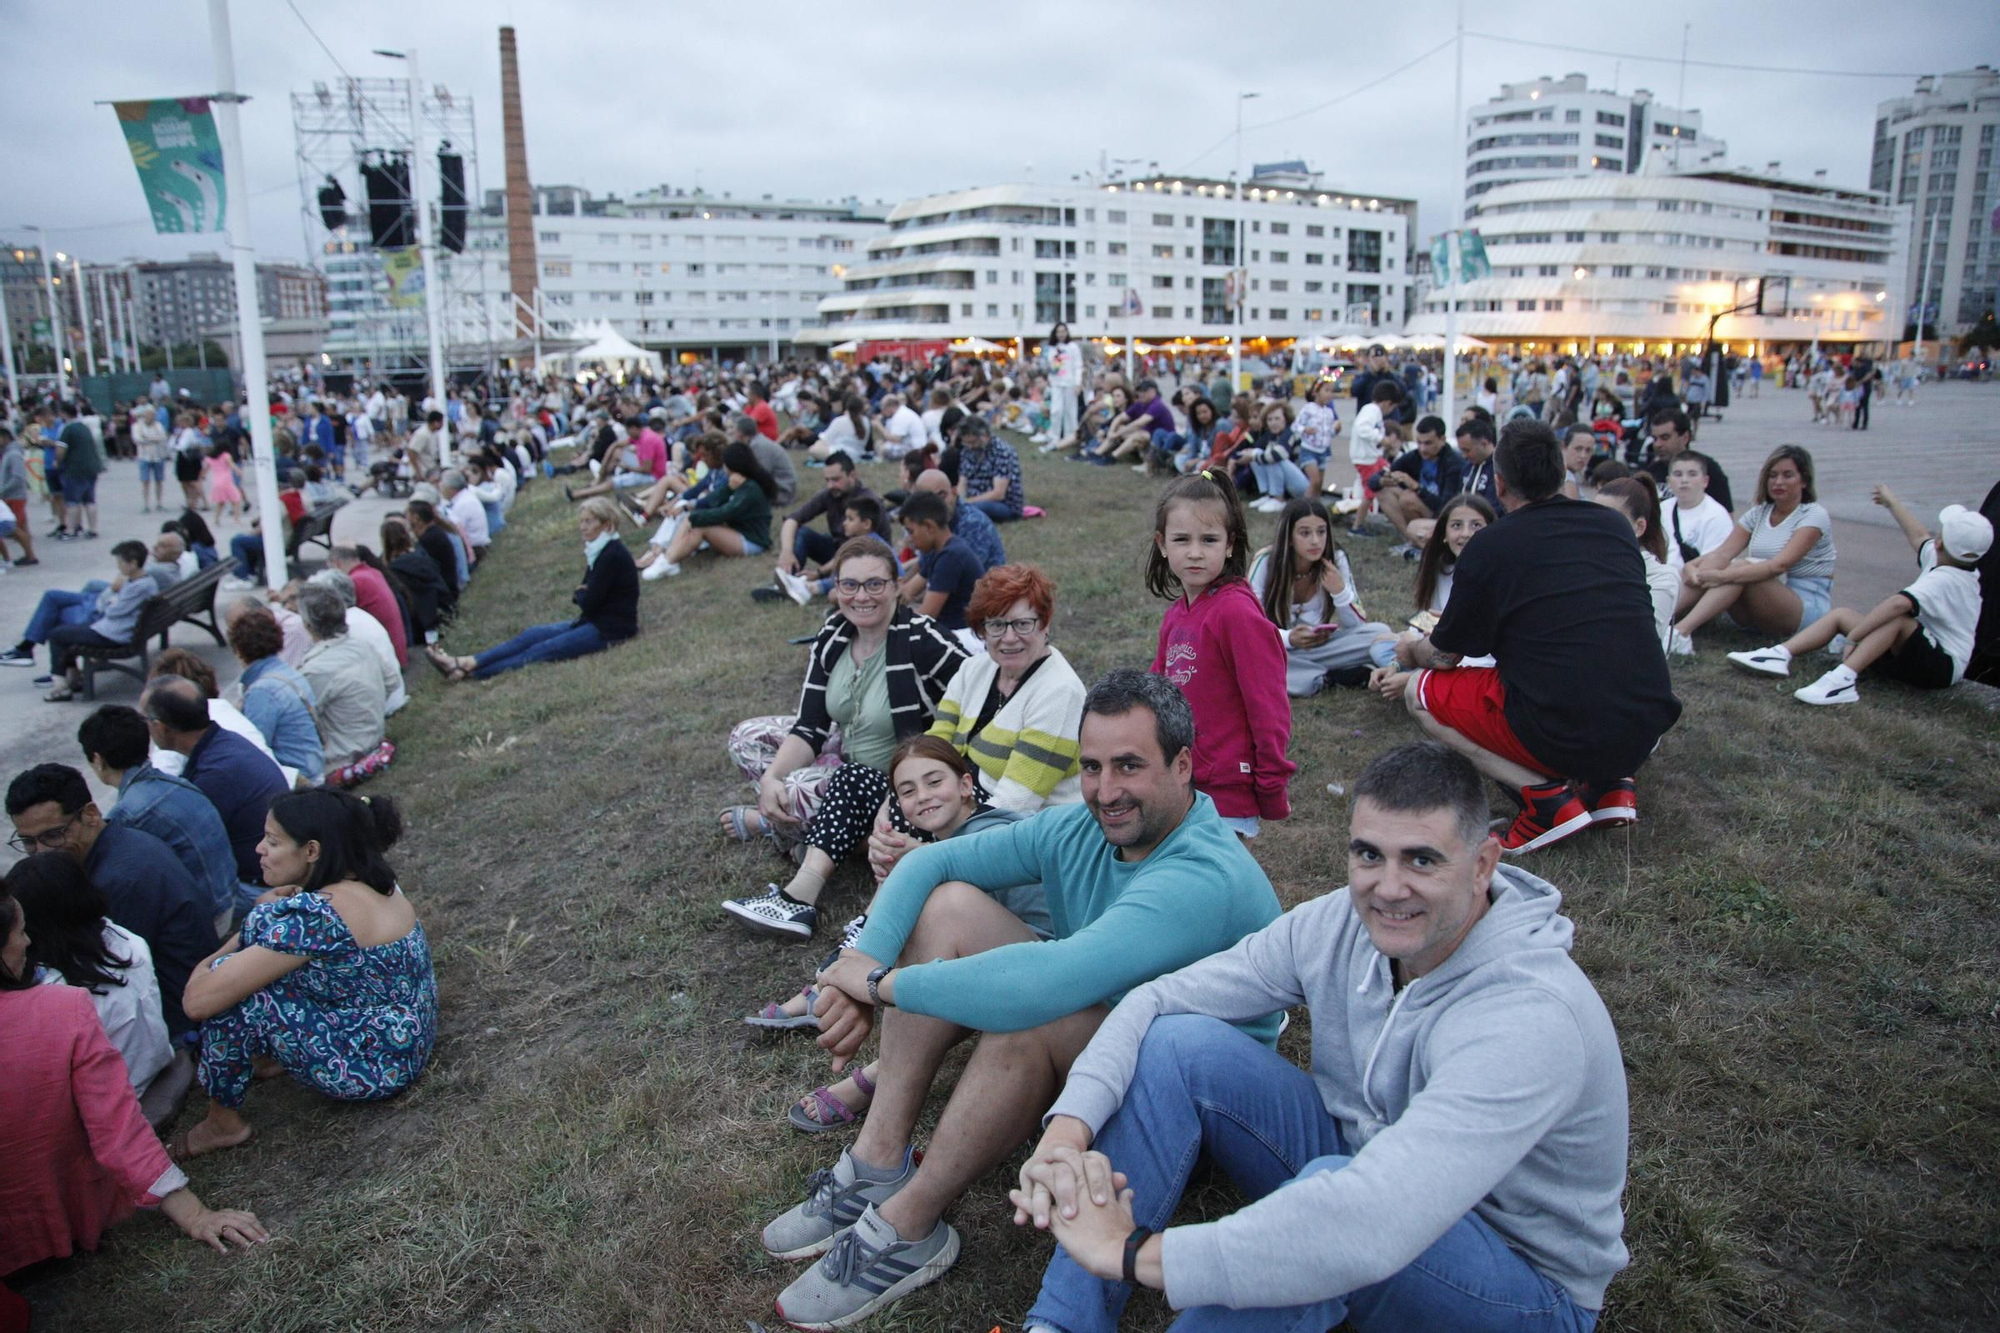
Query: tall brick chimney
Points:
[522, 270]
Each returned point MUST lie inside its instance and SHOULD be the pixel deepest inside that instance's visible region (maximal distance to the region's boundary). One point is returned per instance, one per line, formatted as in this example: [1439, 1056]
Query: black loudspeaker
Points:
[390, 223]
[332, 205]
[451, 200]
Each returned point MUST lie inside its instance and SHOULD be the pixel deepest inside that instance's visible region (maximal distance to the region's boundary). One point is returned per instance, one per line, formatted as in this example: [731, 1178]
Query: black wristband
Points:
[1138, 1237]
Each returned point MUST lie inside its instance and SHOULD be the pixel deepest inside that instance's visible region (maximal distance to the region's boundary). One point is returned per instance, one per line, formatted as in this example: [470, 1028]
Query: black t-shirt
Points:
[1556, 591]
[1718, 480]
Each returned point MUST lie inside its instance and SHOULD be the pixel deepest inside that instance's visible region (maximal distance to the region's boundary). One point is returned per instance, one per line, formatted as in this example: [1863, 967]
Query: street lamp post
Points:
[7, 349]
[1583, 339]
[1239, 258]
[55, 320]
[83, 314]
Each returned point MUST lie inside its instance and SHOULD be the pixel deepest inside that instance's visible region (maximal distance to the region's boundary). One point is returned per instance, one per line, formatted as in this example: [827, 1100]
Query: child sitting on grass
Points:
[1921, 636]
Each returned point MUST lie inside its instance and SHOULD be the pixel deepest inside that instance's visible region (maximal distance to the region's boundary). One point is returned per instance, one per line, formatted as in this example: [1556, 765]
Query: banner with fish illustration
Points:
[179, 158]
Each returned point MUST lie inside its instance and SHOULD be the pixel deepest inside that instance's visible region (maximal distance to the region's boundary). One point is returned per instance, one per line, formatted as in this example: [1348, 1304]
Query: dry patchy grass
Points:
[1798, 944]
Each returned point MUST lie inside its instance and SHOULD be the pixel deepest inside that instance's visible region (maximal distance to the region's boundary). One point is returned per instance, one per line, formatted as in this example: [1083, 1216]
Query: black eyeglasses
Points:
[50, 838]
[873, 587]
[1026, 625]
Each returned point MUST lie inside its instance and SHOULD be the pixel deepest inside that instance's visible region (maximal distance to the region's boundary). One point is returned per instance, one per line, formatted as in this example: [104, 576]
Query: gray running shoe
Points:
[869, 1267]
[834, 1202]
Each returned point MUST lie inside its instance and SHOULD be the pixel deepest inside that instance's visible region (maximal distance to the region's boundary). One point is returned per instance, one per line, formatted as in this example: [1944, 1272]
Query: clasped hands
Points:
[1076, 1194]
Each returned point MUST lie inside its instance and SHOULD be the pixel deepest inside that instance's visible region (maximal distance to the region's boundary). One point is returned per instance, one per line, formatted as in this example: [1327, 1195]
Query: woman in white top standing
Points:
[149, 441]
[73, 942]
[1065, 360]
[1775, 571]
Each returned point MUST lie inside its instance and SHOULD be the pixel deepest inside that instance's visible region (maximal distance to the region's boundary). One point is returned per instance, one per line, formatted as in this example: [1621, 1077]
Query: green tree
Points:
[1986, 333]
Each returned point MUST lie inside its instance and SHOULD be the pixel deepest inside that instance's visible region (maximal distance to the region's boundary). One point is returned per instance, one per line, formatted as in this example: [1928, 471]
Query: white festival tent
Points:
[603, 345]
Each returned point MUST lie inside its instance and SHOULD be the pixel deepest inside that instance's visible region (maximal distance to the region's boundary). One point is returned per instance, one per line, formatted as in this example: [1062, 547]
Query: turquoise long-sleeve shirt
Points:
[1116, 924]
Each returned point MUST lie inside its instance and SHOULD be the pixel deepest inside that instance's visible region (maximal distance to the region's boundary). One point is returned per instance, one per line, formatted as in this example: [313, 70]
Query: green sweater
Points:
[745, 508]
[1116, 924]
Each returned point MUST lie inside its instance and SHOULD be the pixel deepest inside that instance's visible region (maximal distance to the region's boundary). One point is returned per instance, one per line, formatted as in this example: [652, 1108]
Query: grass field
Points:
[1798, 943]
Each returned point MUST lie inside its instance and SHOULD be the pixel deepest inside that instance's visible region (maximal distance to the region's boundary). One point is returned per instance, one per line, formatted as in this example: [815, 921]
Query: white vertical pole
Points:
[1453, 243]
[1241, 264]
[107, 315]
[7, 348]
[83, 314]
[1924, 284]
[55, 316]
[130, 324]
[249, 326]
[426, 251]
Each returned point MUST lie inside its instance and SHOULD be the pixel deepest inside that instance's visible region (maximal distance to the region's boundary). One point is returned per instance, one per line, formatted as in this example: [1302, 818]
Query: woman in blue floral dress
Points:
[328, 980]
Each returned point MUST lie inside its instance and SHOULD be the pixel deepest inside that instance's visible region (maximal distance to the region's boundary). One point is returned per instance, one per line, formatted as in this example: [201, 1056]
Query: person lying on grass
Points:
[1922, 636]
[1452, 1159]
[936, 791]
[607, 607]
[1142, 878]
[329, 978]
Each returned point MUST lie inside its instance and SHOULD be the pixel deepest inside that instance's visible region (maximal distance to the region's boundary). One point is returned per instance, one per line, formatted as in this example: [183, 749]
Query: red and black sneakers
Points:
[1614, 803]
[1549, 813]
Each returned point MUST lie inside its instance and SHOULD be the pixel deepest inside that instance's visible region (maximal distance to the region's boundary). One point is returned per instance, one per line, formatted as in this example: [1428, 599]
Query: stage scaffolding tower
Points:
[335, 126]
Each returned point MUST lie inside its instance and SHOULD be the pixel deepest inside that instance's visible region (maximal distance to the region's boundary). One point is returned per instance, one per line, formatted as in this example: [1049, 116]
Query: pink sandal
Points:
[833, 1112]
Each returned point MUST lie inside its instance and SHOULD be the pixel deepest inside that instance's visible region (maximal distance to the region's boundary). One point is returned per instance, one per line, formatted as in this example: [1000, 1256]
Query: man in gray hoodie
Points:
[1455, 1157]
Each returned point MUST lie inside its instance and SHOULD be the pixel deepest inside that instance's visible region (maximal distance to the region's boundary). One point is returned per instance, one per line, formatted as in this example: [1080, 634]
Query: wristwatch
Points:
[875, 980]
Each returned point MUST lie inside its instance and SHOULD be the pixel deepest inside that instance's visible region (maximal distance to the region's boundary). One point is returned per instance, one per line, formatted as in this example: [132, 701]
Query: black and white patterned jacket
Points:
[923, 657]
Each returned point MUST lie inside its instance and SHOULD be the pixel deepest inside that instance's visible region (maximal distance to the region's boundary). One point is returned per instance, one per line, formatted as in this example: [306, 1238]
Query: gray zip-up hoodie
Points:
[1492, 1085]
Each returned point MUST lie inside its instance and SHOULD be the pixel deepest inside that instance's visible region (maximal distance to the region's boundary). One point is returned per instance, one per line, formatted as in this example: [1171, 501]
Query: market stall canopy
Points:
[848, 348]
[1431, 342]
[977, 346]
[604, 345]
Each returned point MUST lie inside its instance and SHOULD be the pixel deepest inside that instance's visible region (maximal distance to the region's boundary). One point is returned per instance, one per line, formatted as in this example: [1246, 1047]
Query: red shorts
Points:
[20, 508]
[1472, 702]
[1362, 472]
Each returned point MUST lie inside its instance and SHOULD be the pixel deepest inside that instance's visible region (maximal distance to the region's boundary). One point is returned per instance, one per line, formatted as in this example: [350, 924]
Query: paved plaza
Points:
[1945, 449]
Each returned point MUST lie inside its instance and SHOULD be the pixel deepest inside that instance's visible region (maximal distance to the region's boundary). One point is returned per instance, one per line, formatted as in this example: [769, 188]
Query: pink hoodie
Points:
[1229, 661]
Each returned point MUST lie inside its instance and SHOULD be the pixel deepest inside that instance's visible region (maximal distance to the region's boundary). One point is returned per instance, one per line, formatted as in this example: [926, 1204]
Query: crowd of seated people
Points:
[1062, 876]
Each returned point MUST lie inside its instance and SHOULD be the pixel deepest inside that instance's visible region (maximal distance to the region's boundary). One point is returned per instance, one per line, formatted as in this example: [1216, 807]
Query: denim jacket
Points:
[175, 811]
[280, 702]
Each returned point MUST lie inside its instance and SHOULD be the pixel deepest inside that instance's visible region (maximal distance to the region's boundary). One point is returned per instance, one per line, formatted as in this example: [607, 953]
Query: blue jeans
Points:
[248, 550]
[812, 546]
[997, 510]
[1202, 1086]
[541, 643]
[1284, 480]
[62, 607]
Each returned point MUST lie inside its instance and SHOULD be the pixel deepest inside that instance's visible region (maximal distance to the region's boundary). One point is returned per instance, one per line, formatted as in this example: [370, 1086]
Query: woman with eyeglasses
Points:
[876, 671]
[1015, 713]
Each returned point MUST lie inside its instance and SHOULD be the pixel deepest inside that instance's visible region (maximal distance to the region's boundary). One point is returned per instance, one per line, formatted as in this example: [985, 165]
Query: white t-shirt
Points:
[1364, 447]
[368, 630]
[1947, 600]
[906, 433]
[1664, 583]
[130, 1013]
[1704, 527]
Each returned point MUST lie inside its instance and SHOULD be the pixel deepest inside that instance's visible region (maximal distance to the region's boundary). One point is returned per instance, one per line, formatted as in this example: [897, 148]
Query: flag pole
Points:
[250, 328]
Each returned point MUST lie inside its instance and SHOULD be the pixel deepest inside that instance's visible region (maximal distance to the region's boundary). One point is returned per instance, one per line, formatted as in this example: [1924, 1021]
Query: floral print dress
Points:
[356, 1023]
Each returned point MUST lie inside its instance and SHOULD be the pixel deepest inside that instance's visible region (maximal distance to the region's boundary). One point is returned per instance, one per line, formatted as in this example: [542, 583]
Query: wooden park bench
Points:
[191, 600]
[315, 528]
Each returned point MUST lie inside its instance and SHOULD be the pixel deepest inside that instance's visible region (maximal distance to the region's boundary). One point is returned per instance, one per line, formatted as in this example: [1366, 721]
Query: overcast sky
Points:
[889, 99]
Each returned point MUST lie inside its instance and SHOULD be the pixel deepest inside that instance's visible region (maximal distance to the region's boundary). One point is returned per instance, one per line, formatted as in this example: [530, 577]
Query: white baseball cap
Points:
[1965, 534]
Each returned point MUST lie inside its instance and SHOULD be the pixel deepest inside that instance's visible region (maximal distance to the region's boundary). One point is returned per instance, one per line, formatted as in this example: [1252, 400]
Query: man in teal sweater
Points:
[1142, 878]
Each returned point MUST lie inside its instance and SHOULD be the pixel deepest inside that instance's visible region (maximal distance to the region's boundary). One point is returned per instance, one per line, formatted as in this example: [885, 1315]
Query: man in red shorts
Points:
[1556, 593]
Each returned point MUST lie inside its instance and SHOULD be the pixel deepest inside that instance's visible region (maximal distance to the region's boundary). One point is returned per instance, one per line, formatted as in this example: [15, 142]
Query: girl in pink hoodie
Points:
[1217, 645]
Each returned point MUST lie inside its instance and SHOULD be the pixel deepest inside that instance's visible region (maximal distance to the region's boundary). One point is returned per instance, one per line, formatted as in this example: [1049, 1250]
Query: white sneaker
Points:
[1270, 504]
[1835, 687]
[1682, 646]
[796, 586]
[1141, 468]
[1764, 661]
[596, 466]
[659, 569]
[1039, 437]
[230, 583]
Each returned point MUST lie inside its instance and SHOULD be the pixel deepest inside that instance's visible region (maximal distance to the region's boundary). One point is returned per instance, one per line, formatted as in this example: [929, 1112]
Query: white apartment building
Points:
[1150, 258]
[1936, 150]
[1547, 128]
[1640, 263]
[672, 270]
